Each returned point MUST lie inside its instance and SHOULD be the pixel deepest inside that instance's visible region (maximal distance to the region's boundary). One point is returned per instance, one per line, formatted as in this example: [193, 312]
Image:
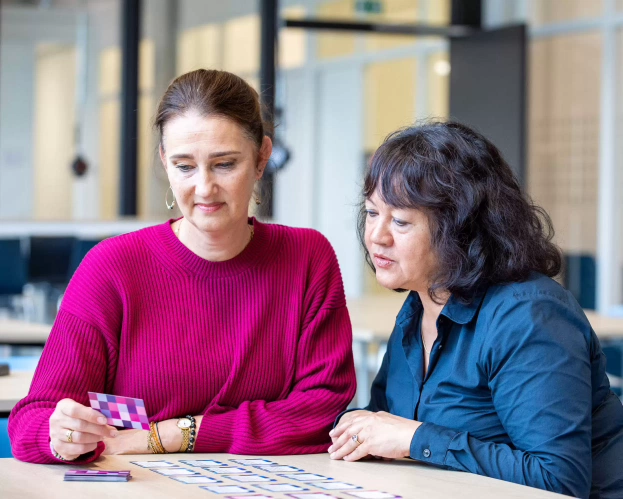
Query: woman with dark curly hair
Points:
[492, 367]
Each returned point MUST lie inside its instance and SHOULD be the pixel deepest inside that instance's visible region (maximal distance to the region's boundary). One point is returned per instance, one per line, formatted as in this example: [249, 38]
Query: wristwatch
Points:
[188, 426]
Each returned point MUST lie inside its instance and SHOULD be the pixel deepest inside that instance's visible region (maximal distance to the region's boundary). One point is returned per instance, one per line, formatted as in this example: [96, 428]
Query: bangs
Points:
[396, 174]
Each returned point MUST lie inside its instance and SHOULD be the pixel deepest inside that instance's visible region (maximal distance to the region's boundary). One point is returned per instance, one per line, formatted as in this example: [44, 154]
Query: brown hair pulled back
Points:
[210, 92]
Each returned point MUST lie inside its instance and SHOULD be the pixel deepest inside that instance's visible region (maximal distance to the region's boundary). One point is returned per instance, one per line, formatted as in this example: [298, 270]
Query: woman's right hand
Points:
[89, 427]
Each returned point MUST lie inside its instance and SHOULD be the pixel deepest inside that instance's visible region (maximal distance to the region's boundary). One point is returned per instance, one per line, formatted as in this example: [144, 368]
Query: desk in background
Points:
[17, 332]
[13, 388]
[404, 478]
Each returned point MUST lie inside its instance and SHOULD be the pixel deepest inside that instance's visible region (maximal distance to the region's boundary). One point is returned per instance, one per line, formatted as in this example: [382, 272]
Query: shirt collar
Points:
[455, 310]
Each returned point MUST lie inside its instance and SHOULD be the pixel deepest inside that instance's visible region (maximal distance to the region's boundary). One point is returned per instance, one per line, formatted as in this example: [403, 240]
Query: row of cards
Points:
[239, 474]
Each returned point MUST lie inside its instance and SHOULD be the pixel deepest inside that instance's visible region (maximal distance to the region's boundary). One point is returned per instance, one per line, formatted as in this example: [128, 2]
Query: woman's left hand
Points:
[379, 434]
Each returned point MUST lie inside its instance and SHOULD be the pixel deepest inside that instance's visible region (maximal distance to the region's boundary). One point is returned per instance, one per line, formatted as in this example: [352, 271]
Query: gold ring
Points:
[355, 439]
[69, 435]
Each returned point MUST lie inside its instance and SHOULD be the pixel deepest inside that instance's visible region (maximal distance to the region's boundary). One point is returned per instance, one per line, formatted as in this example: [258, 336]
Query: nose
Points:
[206, 185]
[380, 233]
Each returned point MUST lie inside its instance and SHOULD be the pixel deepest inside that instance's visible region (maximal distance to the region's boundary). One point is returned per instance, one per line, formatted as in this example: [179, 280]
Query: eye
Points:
[399, 223]
[184, 168]
[371, 213]
[225, 166]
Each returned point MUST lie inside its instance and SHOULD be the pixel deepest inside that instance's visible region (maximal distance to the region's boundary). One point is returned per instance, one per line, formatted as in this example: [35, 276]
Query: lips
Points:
[381, 261]
[209, 207]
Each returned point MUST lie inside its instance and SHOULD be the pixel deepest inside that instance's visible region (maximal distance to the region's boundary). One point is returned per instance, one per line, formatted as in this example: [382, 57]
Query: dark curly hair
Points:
[484, 229]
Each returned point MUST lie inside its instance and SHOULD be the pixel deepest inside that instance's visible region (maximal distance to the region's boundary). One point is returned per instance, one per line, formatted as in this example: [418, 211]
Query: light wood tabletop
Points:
[16, 332]
[373, 318]
[14, 388]
[404, 478]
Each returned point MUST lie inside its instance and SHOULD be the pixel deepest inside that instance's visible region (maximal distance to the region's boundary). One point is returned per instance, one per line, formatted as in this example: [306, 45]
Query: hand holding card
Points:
[66, 440]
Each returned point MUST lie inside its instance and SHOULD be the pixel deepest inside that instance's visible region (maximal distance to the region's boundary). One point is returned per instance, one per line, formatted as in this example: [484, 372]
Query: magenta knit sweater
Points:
[259, 344]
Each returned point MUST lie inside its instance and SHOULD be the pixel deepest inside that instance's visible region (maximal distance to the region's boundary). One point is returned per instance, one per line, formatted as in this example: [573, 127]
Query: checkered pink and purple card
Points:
[124, 412]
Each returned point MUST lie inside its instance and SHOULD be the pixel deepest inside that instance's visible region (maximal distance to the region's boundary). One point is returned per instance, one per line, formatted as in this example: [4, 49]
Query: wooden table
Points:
[16, 332]
[404, 478]
[13, 388]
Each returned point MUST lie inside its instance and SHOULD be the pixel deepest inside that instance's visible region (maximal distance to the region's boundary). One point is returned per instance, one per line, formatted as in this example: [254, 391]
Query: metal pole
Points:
[268, 62]
[129, 106]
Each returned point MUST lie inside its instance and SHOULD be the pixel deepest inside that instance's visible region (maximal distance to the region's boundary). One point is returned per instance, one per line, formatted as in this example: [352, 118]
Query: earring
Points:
[258, 200]
[166, 201]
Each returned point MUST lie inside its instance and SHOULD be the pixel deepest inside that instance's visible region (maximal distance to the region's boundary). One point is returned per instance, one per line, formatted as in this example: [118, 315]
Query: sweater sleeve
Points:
[324, 383]
[76, 359]
[538, 360]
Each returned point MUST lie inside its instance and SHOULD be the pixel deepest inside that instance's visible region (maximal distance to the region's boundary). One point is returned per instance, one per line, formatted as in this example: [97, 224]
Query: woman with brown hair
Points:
[492, 367]
[235, 333]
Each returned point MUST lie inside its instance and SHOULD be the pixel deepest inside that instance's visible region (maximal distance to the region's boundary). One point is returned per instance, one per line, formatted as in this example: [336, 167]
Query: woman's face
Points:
[400, 246]
[212, 168]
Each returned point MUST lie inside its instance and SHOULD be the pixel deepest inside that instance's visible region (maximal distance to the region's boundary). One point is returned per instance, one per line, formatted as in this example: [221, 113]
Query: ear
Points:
[265, 151]
[163, 158]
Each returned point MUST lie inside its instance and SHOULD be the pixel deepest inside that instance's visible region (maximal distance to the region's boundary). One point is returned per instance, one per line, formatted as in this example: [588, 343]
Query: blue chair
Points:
[17, 363]
[5, 443]
[49, 259]
[13, 269]
[78, 251]
[580, 277]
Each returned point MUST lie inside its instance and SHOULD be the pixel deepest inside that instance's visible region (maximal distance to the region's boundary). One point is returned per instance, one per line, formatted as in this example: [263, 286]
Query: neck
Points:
[432, 310]
[215, 246]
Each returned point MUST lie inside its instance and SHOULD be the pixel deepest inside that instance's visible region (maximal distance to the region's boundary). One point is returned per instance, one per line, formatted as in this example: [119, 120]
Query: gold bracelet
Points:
[154, 440]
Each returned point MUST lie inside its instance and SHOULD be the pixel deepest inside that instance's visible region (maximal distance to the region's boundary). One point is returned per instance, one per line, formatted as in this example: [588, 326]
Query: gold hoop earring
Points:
[166, 201]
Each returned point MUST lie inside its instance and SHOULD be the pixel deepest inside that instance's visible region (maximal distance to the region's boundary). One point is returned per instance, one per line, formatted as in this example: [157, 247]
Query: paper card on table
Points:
[174, 471]
[226, 470]
[281, 487]
[252, 478]
[255, 496]
[201, 463]
[125, 412]
[304, 477]
[312, 495]
[372, 494]
[226, 489]
[335, 485]
[252, 462]
[154, 464]
[194, 479]
[278, 469]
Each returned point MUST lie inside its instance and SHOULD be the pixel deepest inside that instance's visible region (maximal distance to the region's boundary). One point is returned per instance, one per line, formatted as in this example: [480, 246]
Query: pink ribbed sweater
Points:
[259, 344]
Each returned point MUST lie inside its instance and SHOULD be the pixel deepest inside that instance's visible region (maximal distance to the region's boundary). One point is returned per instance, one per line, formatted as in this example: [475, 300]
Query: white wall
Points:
[16, 128]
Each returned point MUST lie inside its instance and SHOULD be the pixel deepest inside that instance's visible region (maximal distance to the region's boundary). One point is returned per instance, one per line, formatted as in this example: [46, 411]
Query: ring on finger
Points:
[355, 439]
[69, 435]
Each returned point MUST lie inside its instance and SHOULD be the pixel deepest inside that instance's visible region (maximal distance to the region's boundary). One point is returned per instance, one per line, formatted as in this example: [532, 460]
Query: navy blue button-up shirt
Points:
[516, 390]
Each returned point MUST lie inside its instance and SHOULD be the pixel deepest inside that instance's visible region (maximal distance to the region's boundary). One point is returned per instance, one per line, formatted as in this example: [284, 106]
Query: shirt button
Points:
[426, 453]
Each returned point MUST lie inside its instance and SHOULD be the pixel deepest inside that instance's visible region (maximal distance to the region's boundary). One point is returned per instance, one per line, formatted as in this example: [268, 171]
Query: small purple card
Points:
[124, 412]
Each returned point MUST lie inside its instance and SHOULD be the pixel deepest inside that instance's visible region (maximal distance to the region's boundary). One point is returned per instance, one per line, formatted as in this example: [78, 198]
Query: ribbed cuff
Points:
[430, 443]
[215, 433]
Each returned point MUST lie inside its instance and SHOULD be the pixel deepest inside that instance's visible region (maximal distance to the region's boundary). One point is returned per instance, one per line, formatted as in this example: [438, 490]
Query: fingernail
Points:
[331, 433]
[332, 456]
[101, 420]
[330, 449]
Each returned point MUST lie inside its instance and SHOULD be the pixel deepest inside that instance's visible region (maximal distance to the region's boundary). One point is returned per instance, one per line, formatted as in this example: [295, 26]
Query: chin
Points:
[387, 281]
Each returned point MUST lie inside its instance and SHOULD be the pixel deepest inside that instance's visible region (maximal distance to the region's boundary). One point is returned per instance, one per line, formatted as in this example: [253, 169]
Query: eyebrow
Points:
[211, 155]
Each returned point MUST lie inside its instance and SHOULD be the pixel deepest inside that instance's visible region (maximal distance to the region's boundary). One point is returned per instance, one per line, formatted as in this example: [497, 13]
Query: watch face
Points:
[183, 423]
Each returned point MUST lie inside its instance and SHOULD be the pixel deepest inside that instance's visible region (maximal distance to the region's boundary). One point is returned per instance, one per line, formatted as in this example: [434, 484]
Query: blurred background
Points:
[80, 81]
